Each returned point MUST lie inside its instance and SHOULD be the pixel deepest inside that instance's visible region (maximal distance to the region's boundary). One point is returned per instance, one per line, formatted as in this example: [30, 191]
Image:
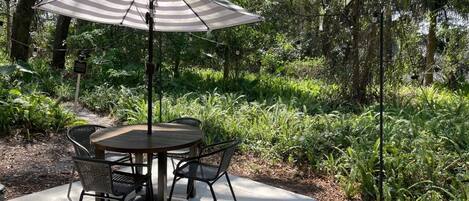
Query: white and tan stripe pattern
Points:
[170, 15]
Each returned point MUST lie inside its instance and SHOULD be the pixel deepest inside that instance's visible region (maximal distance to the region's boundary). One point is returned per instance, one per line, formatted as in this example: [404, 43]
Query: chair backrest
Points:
[223, 151]
[80, 138]
[94, 175]
[187, 121]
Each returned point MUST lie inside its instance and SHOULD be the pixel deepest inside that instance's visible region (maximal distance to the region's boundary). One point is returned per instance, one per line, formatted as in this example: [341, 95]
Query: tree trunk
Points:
[431, 48]
[388, 35]
[371, 56]
[61, 33]
[226, 64]
[358, 92]
[177, 62]
[20, 30]
[8, 25]
[326, 43]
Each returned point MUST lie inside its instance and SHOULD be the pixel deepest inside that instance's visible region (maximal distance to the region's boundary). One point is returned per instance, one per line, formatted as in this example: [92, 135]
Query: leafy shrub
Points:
[308, 68]
[22, 107]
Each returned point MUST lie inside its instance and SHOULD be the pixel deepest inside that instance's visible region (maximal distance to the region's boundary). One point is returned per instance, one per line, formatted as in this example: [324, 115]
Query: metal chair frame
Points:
[221, 169]
[82, 151]
[106, 195]
[186, 121]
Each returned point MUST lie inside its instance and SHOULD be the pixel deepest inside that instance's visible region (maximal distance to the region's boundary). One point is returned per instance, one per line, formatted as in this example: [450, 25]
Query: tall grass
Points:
[426, 129]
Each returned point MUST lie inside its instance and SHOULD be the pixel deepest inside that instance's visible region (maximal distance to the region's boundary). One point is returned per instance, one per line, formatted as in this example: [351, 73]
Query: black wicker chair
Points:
[99, 176]
[196, 168]
[183, 153]
[80, 138]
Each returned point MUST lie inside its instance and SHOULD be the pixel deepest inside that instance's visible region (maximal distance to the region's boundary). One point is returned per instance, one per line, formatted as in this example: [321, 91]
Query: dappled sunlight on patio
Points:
[245, 189]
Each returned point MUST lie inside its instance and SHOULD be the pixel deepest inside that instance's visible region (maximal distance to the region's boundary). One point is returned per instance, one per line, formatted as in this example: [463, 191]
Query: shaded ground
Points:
[27, 167]
[30, 167]
[287, 177]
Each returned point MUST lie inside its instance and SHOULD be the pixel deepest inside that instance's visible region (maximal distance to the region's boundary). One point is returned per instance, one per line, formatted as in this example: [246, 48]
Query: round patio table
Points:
[134, 139]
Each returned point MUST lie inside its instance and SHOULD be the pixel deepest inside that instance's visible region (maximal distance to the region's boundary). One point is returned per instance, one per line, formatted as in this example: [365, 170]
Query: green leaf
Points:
[15, 92]
[9, 69]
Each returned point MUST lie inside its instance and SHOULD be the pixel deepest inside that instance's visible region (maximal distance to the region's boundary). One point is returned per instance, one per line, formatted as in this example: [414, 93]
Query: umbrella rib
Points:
[236, 10]
[126, 12]
[141, 16]
[190, 7]
[43, 2]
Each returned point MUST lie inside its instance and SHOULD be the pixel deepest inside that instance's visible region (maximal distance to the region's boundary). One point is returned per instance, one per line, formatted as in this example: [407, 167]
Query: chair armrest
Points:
[129, 164]
[111, 163]
[236, 142]
[186, 160]
[204, 155]
[196, 158]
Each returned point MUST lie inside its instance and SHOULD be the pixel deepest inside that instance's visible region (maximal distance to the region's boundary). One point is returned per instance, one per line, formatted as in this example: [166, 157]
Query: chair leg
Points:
[131, 162]
[148, 191]
[213, 192]
[81, 195]
[189, 190]
[172, 161]
[231, 187]
[172, 188]
[70, 184]
[150, 187]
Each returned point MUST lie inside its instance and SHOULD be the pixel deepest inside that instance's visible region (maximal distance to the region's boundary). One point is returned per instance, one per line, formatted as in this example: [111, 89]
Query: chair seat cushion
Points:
[197, 171]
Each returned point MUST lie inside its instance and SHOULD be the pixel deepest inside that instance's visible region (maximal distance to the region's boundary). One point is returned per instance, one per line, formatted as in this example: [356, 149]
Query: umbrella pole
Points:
[160, 80]
[381, 107]
[150, 67]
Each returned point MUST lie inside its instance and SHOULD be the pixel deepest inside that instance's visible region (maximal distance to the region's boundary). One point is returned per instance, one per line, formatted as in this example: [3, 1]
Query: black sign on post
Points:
[79, 67]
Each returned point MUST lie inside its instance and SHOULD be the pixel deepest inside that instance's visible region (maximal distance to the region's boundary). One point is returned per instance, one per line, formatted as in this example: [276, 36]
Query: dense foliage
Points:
[303, 122]
[25, 108]
[299, 87]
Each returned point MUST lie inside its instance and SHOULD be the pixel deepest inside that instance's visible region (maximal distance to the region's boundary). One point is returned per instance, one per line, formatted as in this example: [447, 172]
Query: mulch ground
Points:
[27, 167]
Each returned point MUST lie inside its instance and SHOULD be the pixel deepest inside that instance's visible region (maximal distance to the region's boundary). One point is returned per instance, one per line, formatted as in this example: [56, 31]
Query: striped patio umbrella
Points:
[169, 15]
[154, 15]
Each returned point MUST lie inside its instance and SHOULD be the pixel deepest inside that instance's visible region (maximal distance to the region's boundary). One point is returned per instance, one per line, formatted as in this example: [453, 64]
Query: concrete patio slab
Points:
[245, 190]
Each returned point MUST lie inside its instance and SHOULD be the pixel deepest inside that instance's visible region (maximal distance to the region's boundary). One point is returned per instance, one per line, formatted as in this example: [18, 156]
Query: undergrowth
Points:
[303, 122]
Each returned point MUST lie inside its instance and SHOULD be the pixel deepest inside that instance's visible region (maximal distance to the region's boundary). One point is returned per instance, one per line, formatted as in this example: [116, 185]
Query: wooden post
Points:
[77, 90]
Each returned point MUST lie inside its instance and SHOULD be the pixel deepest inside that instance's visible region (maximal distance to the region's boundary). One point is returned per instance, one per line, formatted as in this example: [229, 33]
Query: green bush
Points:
[24, 108]
[309, 68]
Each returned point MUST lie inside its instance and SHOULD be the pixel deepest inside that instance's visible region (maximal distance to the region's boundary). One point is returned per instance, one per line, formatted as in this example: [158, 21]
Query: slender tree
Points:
[20, 30]
[60, 36]
[358, 92]
[431, 46]
[8, 24]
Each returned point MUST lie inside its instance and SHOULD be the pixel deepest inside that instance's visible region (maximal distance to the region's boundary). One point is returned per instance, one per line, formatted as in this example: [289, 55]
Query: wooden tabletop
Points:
[134, 138]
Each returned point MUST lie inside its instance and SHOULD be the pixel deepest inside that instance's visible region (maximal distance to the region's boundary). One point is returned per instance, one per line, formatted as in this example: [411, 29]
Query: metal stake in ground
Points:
[381, 107]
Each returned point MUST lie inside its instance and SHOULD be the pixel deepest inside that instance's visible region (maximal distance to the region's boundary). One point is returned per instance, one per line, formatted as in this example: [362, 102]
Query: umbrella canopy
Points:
[168, 15]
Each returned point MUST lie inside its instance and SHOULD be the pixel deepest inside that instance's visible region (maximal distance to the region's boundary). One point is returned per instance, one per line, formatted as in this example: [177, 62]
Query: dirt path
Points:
[89, 116]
